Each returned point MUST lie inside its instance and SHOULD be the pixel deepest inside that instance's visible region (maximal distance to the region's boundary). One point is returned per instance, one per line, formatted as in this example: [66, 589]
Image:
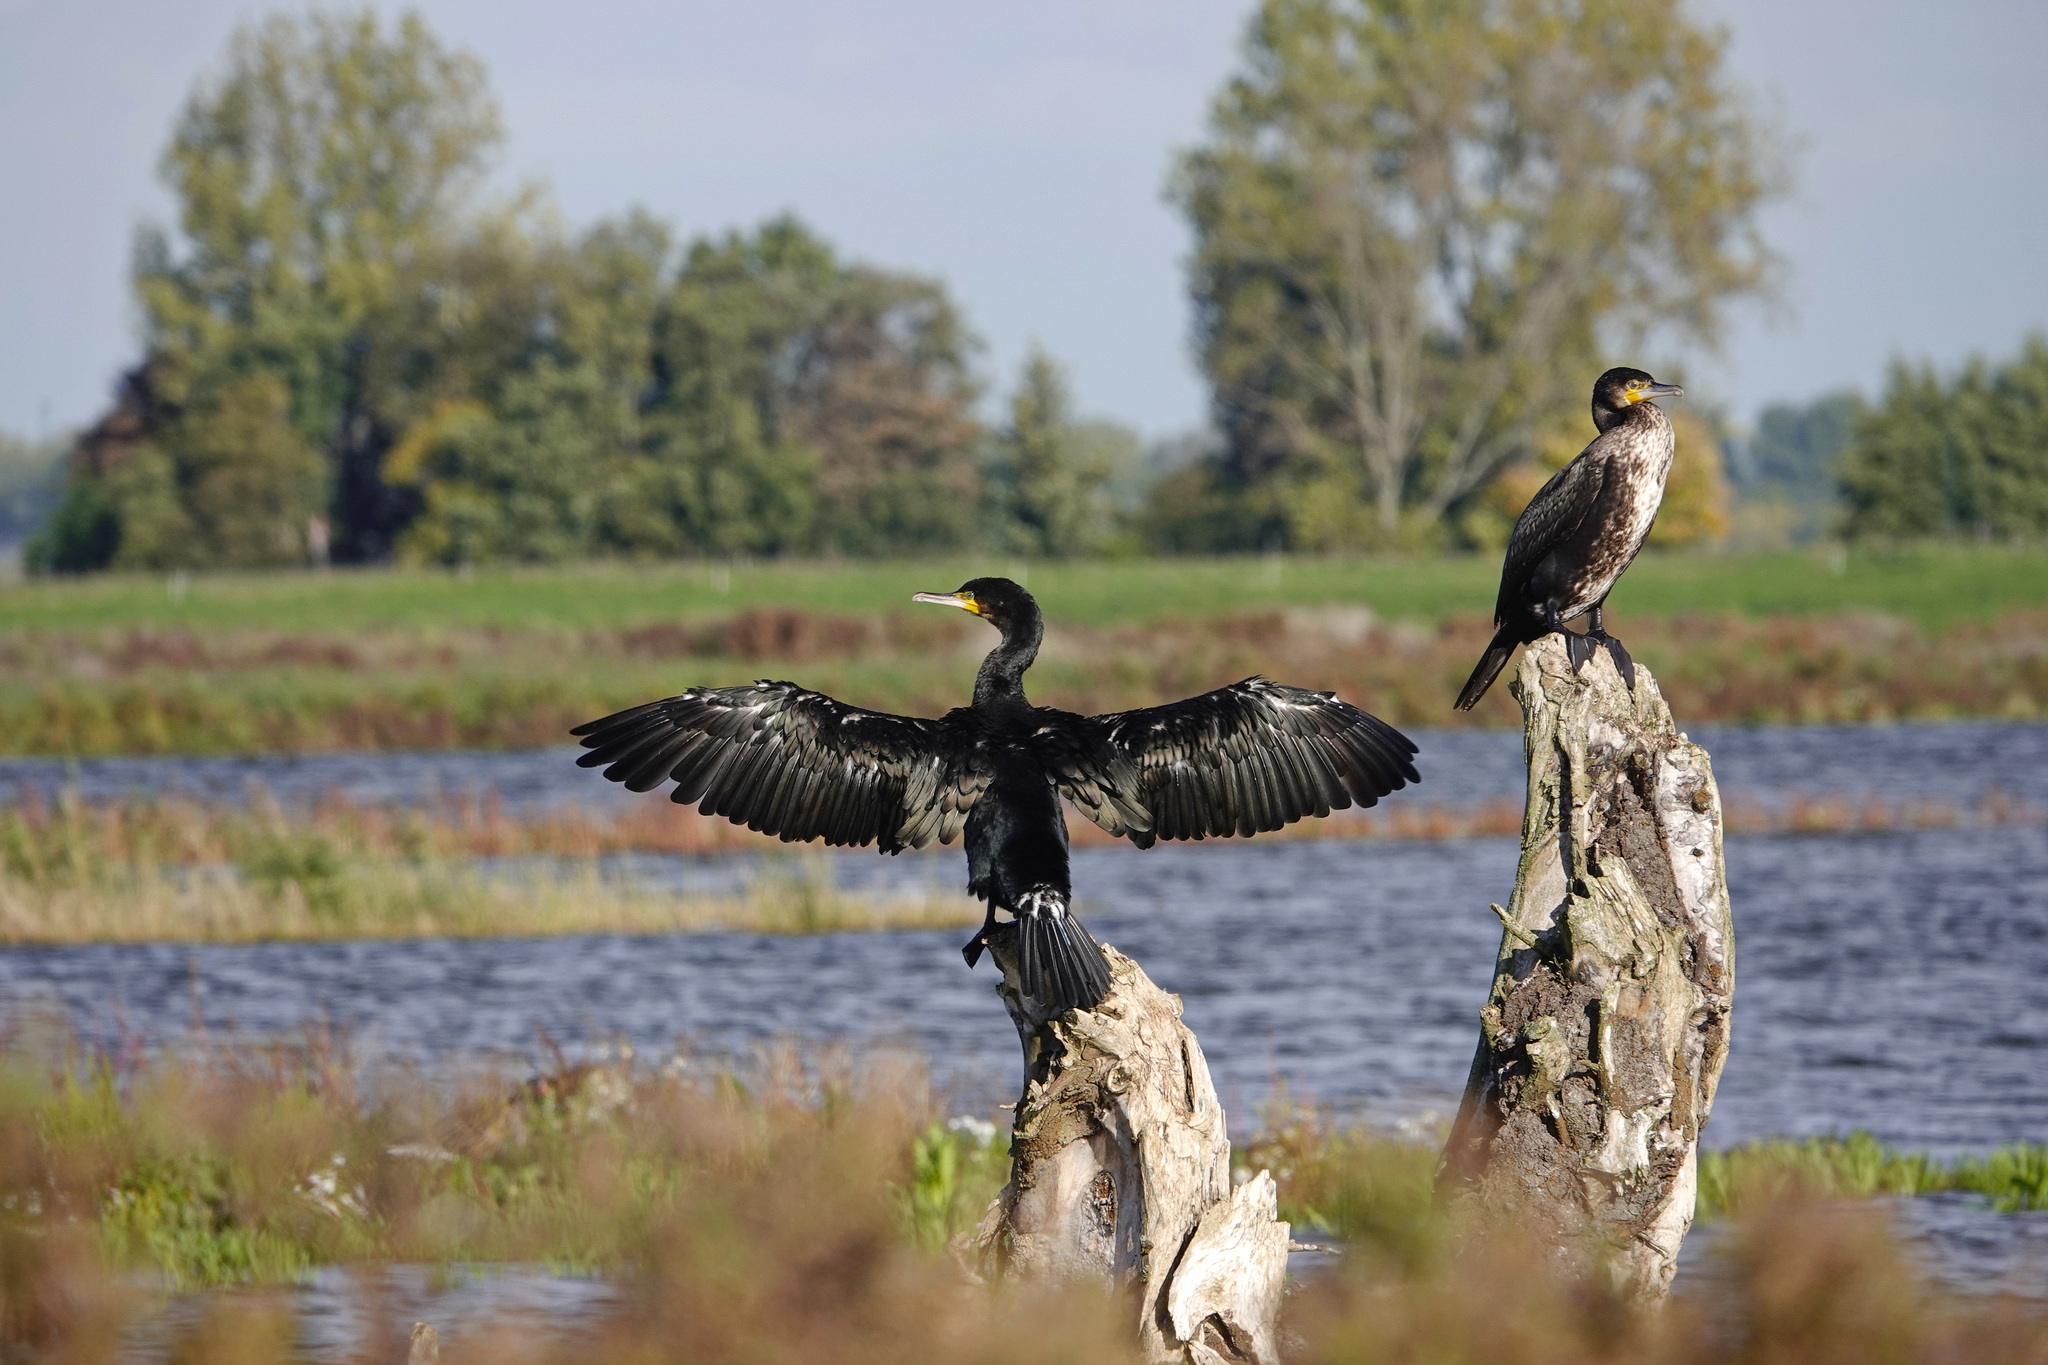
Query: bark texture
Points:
[1120, 1171]
[1603, 1039]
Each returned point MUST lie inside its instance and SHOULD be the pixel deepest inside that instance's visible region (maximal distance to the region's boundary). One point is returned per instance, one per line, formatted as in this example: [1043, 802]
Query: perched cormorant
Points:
[1582, 530]
[794, 763]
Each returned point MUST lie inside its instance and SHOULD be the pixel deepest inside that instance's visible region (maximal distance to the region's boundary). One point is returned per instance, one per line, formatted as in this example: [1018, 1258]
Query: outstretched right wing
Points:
[1553, 514]
[1254, 756]
[797, 764]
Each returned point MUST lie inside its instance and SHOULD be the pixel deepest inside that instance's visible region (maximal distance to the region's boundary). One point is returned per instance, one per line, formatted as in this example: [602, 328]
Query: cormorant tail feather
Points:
[1498, 651]
[1059, 961]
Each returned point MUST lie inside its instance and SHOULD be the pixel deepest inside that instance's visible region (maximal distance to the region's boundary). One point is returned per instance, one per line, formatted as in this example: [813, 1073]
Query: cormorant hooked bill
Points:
[1582, 530]
[797, 764]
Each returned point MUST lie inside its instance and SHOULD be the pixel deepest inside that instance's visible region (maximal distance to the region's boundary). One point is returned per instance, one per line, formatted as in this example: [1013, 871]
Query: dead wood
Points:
[1603, 1038]
[1120, 1172]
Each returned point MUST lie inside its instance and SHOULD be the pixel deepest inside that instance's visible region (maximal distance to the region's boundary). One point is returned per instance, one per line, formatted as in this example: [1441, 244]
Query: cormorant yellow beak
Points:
[963, 600]
[1641, 392]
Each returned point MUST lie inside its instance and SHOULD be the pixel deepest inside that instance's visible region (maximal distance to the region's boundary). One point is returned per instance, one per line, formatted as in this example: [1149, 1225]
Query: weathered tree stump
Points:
[1602, 1041]
[1120, 1172]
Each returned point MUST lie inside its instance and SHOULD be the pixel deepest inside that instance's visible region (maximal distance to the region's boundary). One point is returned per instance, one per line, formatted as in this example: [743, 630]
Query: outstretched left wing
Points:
[1254, 756]
[798, 764]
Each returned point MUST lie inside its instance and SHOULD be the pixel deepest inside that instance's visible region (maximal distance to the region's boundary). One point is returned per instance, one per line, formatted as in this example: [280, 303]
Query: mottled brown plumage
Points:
[1582, 530]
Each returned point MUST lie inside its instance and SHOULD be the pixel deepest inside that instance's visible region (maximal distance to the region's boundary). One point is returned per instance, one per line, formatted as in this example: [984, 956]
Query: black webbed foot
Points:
[1578, 648]
[974, 947]
[1622, 663]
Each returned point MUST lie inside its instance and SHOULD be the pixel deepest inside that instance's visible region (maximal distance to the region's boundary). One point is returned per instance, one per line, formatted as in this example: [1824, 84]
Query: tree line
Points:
[349, 356]
[1418, 231]
[1963, 454]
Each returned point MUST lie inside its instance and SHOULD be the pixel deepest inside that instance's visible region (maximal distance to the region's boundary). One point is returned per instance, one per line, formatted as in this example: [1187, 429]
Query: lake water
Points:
[1888, 982]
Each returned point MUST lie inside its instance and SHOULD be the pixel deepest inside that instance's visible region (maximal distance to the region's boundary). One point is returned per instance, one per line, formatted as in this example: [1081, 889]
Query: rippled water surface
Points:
[1889, 982]
[1957, 763]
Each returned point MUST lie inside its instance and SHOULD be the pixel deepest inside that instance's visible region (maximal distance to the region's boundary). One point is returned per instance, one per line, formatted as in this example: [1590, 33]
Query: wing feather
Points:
[1551, 516]
[1243, 759]
[797, 764]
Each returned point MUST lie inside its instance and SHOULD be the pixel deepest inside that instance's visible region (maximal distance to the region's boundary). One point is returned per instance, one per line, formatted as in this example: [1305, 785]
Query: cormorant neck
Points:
[1606, 418]
[1001, 678]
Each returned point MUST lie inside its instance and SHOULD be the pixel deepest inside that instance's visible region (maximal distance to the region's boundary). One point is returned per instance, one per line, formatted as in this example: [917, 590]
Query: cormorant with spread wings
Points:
[1582, 530]
[797, 764]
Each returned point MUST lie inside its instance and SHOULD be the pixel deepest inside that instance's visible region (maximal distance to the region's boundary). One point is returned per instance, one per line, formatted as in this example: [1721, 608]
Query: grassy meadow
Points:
[398, 660]
[1932, 585]
[818, 1208]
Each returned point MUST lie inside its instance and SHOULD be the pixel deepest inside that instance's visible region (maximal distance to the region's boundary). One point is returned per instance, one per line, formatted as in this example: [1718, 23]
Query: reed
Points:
[176, 869]
[792, 1208]
[171, 870]
[42, 840]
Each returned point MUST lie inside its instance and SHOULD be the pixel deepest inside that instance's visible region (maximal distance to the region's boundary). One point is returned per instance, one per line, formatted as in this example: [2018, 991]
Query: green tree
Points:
[883, 392]
[1421, 223]
[1967, 457]
[536, 359]
[340, 341]
[232, 484]
[318, 175]
[1051, 471]
[803, 403]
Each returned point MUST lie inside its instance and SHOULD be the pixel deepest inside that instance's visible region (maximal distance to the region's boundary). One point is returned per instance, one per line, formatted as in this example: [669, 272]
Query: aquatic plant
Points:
[2011, 1178]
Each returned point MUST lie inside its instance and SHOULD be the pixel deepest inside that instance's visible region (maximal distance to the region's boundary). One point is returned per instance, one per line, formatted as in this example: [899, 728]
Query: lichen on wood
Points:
[1603, 1037]
[1120, 1173]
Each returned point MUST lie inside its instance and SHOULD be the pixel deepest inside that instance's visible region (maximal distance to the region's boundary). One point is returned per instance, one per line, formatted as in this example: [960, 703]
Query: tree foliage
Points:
[1420, 223]
[1053, 471]
[320, 177]
[345, 350]
[1964, 456]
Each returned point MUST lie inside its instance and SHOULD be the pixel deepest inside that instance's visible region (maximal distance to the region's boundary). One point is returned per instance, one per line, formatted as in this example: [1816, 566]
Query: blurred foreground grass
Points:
[801, 1208]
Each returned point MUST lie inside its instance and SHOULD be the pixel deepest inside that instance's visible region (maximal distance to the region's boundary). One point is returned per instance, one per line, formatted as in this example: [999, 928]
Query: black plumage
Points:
[1582, 530]
[797, 764]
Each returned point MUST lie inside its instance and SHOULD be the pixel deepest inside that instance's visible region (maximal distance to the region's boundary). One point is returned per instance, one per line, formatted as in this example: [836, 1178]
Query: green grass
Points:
[2012, 1178]
[1933, 584]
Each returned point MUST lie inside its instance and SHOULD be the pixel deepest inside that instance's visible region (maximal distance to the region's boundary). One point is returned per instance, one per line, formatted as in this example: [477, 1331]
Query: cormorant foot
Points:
[972, 949]
[1577, 648]
[1622, 663]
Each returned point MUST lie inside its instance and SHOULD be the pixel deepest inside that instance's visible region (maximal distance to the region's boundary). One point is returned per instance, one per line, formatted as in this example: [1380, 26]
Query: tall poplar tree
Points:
[1423, 226]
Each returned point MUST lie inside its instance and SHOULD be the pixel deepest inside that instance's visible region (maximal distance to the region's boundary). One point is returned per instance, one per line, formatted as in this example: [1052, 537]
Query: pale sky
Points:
[1019, 153]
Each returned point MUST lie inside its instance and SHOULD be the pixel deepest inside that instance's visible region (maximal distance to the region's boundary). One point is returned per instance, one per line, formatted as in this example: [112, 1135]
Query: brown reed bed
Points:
[38, 837]
[245, 689]
[798, 1209]
[177, 869]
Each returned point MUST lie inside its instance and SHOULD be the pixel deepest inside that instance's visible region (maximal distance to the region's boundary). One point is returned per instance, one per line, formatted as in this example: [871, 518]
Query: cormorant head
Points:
[1620, 389]
[998, 601]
